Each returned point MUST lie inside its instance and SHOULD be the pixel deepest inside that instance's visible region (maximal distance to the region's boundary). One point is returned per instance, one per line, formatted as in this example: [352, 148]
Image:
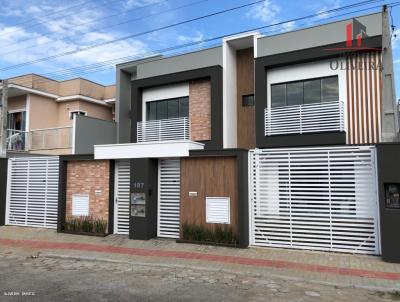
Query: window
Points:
[305, 92]
[278, 95]
[74, 113]
[330, 89]
[248, 100]
[294, 93]
[312, 91]
[16, 120]
[166, 109]
[80, 205]
[218, 210]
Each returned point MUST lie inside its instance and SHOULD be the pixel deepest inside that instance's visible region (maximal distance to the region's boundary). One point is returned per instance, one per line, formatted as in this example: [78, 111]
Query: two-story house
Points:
[41, 112]
[287, 140]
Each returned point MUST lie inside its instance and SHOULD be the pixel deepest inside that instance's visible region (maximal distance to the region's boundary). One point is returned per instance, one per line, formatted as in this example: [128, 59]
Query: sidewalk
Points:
[332, 268]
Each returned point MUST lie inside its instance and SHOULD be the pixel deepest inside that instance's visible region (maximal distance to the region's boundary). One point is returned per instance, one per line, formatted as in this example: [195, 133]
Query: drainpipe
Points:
[390, 112]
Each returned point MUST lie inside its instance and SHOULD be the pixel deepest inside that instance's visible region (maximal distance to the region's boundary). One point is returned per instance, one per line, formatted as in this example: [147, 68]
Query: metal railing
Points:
[50, 138]
[16, 140]
[163, 130]
[318, 117]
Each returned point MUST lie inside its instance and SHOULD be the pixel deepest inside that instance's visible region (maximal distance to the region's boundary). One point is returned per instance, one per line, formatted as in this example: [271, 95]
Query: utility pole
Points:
[3, 119]
[390, 111]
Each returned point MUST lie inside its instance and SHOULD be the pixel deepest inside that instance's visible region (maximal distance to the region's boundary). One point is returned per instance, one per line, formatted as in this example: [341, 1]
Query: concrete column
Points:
[390, 113]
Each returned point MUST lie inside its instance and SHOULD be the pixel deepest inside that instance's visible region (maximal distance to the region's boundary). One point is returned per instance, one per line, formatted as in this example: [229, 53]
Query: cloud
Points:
[128, 4]
[197, 37]
[288, 26]
[265, 11]
[324, 6]
[67, 35]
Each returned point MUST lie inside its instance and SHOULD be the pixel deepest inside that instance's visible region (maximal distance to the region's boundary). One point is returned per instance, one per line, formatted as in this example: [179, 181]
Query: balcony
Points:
[309, 118]
[175, 129]
[155, 139]
[50, 139]
[39, 140]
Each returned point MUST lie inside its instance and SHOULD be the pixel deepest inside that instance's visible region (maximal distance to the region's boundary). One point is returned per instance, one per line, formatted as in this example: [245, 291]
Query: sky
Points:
[37, 29]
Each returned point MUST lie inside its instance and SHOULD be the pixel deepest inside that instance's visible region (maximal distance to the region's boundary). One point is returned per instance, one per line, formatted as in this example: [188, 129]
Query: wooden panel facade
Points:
[246, 136]
[209, 177]
[364, 104]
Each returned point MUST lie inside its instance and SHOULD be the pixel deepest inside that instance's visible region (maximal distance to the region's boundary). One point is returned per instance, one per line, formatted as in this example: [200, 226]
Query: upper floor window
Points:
[248, 100]
[305, 92]
[166, 109]
[74, 113]
[16, 120]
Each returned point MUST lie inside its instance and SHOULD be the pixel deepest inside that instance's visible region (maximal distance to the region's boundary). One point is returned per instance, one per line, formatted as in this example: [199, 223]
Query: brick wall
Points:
[93, 178]
[200, 109]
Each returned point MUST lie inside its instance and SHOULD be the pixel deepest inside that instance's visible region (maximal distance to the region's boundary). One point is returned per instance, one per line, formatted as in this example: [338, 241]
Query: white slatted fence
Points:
[169, 198]
[308, 118]
[32, 191]
[163, 130]
[122, 196]
[315, 198]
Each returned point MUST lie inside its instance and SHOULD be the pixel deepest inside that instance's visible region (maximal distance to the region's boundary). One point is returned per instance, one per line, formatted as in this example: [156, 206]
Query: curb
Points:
[223, 270]
[251, 262]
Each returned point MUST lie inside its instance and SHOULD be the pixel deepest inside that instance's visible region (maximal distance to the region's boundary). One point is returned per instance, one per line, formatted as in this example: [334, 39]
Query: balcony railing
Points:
[50, 138]
[41, 139]
[16, 140]
[299, 119]
[163, 130]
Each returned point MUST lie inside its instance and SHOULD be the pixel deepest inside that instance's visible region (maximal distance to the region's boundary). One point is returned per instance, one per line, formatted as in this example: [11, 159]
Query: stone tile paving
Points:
[65, 279]
[301, 257]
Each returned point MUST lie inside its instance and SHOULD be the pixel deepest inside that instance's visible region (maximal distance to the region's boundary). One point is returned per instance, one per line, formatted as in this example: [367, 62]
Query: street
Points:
[45, 278]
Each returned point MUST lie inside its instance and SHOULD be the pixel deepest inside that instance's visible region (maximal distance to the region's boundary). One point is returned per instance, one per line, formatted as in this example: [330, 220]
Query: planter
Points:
[85, 233]
[207, 243]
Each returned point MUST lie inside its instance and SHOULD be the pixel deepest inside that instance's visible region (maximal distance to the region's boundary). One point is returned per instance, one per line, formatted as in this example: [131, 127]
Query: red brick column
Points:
[92, 178]
[200, 109]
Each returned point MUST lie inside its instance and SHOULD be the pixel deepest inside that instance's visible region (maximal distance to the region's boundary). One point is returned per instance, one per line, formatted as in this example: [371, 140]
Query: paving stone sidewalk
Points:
[46, 278]
[323, 268]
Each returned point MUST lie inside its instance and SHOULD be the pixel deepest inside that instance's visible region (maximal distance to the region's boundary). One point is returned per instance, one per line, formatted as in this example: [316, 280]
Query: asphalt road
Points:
[25, 278]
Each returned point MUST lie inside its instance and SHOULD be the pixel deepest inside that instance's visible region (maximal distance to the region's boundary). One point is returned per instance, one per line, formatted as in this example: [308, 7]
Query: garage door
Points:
[315, 198]
[32, 192]
[169, 198]
[121, 206]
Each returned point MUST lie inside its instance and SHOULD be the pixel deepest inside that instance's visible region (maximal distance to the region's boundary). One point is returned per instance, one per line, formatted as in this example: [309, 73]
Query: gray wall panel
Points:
[388, 173]
[91, 131]
[195, 60]
[316, 36]
[3, 189]
[123, 106]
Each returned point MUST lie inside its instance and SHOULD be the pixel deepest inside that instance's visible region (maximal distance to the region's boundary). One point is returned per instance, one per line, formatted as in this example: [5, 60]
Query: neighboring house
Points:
[281, 141]
[41, 112]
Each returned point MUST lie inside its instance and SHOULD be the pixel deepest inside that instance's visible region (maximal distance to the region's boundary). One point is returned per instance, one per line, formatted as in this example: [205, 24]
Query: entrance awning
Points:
[147, 150]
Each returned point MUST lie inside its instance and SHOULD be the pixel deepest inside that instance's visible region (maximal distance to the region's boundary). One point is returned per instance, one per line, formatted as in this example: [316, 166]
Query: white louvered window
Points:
[315, 198]
[80, 205]
[218, 210]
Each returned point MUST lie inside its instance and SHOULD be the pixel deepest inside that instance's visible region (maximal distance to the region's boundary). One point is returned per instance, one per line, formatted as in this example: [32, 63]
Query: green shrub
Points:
[85, 224]
[220, 234]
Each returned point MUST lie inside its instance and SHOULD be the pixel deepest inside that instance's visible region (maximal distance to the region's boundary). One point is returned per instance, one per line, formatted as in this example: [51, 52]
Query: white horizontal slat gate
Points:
[315, 198]
[121, 206]
[32, 191]
[169, 198]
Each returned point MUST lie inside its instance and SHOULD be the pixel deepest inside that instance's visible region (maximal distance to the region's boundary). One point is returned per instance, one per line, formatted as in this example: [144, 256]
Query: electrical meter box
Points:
[138, 205]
